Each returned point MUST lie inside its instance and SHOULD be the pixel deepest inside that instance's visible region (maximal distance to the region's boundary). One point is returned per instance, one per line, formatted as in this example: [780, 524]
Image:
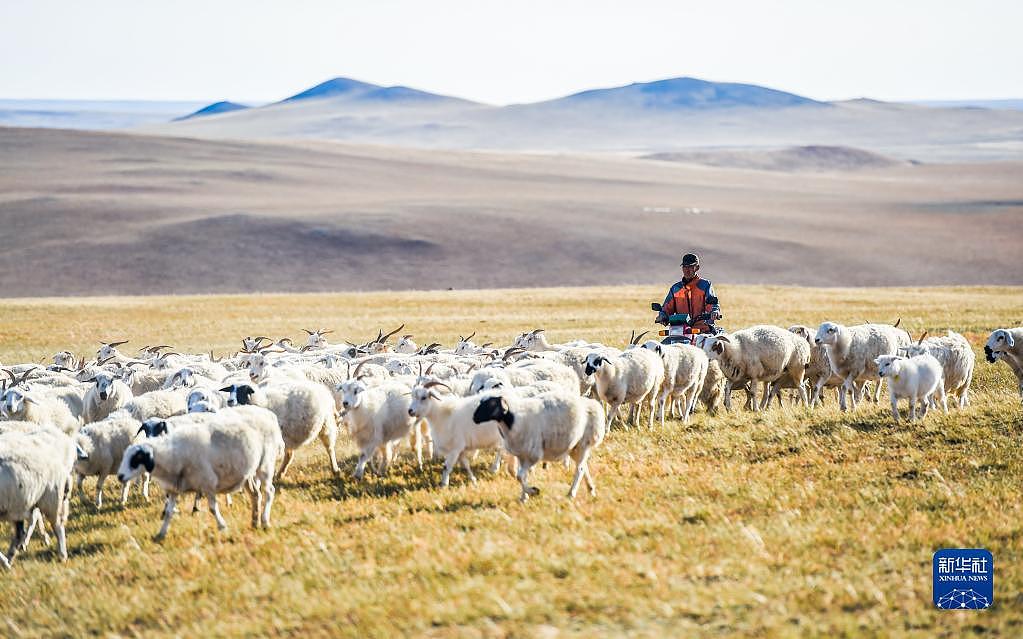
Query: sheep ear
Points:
[82, 455]
[723, 338]
[1009, 341]
[226, 389]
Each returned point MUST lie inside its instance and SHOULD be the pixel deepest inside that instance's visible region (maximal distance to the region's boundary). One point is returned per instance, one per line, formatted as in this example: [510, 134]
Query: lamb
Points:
[158, 403]
[107, 395]
[377, 418]
[452, 430]
[760, 354]
[712, 392]
[957, 361]
[546, 428]
[304, 410]
[35, 478]
[853, 352]
[915, 378]
[104, 443]
[631, 378]
[1006, 344]
[238, 448]
[686, 366]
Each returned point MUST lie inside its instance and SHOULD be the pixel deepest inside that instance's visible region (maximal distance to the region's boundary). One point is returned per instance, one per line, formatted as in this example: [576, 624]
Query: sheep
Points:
[760, 354]
[107, 395]
[546, 428]
[685, 370]
[186, 377]
[35, 478]
[377, 418]
[57, 407]
[406, 345]
[631, 378]
[452, 430]
[957, 361]
[104, 443]
[304, 410]
[238, 448]
[712, 392]
[525, 373]
[158, 403]
[1006, 344]
[915, 378]
[853, 351]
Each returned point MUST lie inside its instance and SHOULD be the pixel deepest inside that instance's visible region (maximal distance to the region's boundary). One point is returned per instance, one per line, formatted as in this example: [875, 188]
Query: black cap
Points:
[690, 259]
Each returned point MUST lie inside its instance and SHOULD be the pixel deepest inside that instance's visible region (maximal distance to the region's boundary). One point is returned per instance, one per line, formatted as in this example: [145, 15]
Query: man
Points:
[693, 295]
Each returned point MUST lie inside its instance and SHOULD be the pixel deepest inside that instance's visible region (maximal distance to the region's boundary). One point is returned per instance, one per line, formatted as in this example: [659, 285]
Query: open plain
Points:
[787, 523]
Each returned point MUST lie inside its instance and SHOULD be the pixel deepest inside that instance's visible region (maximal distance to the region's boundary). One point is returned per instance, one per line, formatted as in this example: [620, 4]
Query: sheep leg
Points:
[912, 407]
[944, 399]
[468, 469]
[253, 490]
[4, 562]
[269, 490]
[360, 466]
[895, 408]
[613, 413]
[580, 470]
[81, 488]
[328, 436]
[211, 499]
[37, 520]
[168, 513]
[496, 466]
[17, 539]
[124, 491]
[449, 465]
[728, 396]
[417, 436]
[753, 396]
[99, 491]
[527, 490]
[145, 486]
[195, 504]
[288, 455]
[803, 396]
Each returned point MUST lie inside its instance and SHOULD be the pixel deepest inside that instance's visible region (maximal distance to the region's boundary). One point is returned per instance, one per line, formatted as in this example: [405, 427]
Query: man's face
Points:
[689, 272]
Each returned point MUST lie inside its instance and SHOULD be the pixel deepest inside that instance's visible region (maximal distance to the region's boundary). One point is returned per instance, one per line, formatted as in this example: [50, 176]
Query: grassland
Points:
[787, 523]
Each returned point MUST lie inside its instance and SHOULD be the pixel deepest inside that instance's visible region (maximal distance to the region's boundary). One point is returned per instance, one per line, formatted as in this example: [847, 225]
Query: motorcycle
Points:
[681, 328]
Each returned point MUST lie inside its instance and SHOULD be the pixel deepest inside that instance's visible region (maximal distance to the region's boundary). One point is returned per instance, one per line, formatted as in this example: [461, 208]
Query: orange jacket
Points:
[695, 298]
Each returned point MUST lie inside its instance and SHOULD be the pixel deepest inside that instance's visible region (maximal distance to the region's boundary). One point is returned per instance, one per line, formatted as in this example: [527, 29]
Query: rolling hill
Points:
[108, 213]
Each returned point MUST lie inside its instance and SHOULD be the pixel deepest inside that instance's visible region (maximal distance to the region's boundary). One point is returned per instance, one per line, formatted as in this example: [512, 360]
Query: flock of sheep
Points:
[209, 426]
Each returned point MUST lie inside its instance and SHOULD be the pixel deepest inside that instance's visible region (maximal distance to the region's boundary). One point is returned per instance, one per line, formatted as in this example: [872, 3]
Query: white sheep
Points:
[853, 352]
[104, 443]
[35, 478]
[377, 417]
[761, 355]
[632, 378]
[547, 427]
[1006, 344]
[915, 378]
[452, 430]
[304, 410]
[957, 362]
[237, 449]
[527, 372]
[60, 407]
[107, 395]
[158, 403]
[685, 371]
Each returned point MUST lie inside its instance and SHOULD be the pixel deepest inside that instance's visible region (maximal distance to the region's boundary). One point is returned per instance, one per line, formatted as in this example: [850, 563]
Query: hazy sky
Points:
[503, 52]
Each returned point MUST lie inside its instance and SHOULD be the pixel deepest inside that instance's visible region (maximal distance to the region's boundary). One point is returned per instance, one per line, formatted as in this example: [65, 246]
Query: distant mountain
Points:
[672, 115]
[690, 93]
[90, 114]
[212, 109]
[797, 158]
[333, 88]
[1016, 105]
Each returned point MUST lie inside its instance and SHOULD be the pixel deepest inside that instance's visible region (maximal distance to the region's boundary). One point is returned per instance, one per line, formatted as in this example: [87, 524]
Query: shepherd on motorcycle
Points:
[692, 296]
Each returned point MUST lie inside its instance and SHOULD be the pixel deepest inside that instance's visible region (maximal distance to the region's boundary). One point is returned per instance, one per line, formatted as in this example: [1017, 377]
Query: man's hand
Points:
[662, 319]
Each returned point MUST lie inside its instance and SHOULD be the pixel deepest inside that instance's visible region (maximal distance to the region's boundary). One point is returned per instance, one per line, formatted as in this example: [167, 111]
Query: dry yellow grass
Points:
[787, 523]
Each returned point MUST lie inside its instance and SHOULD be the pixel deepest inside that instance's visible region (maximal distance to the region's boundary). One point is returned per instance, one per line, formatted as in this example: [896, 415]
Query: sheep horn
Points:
[406, 336]
[433, 383]
[471, 336]
[640, 336]
[355, 374]
[116, 344]
[325, 331]
[392, 333]
[24, 376]
[921, 340]
[308, 331]
[897, 322]
[101, 363]
[537, 331]
[429, 369]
